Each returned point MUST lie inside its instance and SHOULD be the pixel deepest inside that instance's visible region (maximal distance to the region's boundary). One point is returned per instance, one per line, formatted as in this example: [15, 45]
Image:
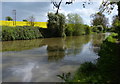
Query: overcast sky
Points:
[39, 9]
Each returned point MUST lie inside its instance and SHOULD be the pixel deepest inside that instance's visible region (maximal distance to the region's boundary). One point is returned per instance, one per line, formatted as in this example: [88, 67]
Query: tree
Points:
[57, 5]
[74, 19]
[87, 29]
[24, 20]
[116, 25]
[99, 19]
[74, 25]
[8, 18]
[56, 25]
[108, 6]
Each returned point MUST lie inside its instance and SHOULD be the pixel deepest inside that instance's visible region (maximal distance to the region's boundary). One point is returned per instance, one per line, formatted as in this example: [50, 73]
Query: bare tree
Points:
[31, 20]
[58, 4]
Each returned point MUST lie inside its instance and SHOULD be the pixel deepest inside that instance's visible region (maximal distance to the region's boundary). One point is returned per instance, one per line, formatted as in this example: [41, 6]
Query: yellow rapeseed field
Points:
[21, 23]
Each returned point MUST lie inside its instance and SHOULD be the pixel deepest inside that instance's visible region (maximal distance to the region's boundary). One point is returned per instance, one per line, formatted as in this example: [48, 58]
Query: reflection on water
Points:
[21, 45]
[41, 60]
[26, 70]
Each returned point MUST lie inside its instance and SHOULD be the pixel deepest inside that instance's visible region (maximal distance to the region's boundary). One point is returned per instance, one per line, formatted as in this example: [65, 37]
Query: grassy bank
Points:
[20, 33]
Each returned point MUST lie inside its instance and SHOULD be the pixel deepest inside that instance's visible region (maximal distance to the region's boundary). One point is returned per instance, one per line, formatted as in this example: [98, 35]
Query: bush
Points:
[112, 38]
[98, 29]
[77, 30]
[87, 30]
[109, 61]
[69, 30]
[87, 68]
[75, 26]
[56, 25]
[116, 27]
[20, 33]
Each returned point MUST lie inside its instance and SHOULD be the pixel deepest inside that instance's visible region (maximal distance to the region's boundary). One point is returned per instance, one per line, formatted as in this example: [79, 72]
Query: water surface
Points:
[40, 60]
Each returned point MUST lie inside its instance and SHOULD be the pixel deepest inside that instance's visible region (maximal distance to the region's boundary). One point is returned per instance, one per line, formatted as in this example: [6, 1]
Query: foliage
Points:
[87, 29]
[56, 25]
[74, 19]
[99, 19]
[87, 68]
[69, 29]
[97, 29]
[20, 33]
[116, 25]
[8, 18]
[75, 26]
[112, 38]
[77, 29]
[115, 21]
[86, 73]
[65, 76]
[109, 61]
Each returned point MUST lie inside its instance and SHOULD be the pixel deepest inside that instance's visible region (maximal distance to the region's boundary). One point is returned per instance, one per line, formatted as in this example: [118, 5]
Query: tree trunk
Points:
[58, 7]
[57, 11]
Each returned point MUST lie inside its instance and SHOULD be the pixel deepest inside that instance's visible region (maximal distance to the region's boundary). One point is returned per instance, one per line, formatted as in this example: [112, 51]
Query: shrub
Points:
[116, 27]
[20, 33]
[112, 38]
[75, 25]
[87, 68]
[77, 29]
[87, 29]
[109, 61]
[98, 29]
[69, 30]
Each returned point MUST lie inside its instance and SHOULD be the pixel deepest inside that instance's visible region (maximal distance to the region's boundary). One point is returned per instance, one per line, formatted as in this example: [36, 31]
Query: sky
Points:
[39, 9]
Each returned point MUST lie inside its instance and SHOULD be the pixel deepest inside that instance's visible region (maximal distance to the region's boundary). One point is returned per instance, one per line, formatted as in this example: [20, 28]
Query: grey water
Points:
[40, 60]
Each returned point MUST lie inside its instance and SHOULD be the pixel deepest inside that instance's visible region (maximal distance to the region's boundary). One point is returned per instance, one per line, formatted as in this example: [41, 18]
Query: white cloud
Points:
[65, 12]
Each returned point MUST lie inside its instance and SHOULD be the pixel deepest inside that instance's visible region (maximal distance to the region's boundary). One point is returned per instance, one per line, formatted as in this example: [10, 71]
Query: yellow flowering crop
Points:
[21, 23]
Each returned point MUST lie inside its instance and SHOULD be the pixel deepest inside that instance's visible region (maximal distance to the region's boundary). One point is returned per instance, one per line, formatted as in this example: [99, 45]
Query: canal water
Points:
[40, 60]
